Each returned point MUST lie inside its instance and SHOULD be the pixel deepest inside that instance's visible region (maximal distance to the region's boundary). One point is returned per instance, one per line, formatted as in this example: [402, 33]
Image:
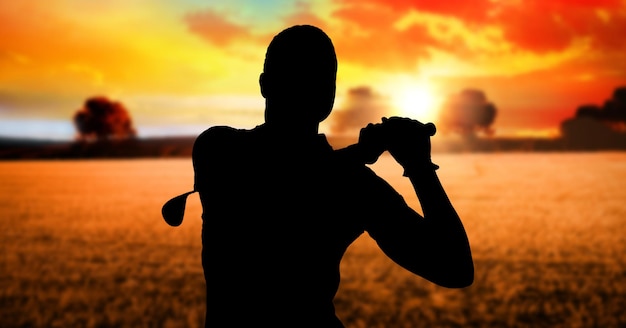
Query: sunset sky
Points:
[181, 66]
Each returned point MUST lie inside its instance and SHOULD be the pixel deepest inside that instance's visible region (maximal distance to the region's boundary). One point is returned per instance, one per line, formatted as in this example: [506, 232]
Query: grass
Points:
[84, 245]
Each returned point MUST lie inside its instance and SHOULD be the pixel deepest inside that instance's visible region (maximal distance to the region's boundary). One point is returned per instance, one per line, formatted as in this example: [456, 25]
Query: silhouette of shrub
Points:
[103, 119]
[596, 127]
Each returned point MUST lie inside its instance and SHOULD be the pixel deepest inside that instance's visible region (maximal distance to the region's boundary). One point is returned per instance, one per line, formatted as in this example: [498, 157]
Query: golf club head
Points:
[431, 129]
[173, 210]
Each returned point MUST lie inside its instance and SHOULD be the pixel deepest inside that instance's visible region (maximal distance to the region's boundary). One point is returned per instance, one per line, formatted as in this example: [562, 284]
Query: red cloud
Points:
[535, 25]
[543, 26]
[469, 10]
[369, 38]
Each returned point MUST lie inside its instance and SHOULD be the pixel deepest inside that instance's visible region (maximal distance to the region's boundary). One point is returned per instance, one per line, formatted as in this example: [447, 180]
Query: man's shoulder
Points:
[217, 132]
[214, 141]
[351, 172]
[217, 136]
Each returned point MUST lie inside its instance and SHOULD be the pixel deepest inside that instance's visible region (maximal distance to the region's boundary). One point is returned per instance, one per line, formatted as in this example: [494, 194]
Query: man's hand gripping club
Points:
[407, 140]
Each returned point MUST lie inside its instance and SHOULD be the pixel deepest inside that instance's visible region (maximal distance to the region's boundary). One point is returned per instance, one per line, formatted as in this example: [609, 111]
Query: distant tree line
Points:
[467, 113]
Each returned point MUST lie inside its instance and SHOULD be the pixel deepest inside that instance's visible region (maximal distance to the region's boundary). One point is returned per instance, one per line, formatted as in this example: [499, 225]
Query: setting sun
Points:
[417, 101]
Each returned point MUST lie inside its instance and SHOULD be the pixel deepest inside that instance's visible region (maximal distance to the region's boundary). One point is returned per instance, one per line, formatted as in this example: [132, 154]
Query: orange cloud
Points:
[304, 15]
[473, 11]
[363, 35]
[215, 28]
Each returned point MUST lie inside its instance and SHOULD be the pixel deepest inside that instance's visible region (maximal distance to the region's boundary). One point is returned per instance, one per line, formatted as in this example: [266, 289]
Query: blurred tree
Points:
[103, 119]
[467, 113]
[361, 106]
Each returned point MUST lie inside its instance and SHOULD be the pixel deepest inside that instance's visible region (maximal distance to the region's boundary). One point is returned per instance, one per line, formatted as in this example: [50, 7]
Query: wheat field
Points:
[84, 245]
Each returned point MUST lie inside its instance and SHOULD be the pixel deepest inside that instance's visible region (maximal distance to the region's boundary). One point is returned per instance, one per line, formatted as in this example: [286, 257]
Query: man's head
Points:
[299, 74]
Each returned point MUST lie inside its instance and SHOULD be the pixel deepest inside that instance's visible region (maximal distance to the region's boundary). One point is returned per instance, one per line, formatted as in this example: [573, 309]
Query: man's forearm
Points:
[445, 231]
[433, 198]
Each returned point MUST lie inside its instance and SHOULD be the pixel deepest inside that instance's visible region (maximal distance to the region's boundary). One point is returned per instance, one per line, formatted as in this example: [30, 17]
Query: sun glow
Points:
[416, 100]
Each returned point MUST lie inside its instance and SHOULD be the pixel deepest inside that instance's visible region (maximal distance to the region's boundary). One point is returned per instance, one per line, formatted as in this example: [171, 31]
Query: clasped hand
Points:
[407, 140]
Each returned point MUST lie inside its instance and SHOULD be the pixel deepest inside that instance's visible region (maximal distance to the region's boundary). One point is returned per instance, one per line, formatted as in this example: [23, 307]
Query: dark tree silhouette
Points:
[614, 110]
[612, 113]
[587, 132]
[589, 111]
[467, 113]
[103, 119]
[595, 127]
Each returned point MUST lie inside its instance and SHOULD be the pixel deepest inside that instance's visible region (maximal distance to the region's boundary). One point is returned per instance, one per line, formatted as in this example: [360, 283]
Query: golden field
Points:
[84, 245]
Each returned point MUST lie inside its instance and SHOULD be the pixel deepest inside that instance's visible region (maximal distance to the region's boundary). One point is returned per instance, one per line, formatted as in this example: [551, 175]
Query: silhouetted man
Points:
[280, 206]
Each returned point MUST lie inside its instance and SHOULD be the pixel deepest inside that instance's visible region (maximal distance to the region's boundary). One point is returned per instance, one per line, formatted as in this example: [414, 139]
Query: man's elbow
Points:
[461, 280]
[458, 276]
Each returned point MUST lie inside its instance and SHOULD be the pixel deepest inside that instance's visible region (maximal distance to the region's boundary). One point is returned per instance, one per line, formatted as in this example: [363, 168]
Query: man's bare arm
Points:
[448, 261]
[436, 246]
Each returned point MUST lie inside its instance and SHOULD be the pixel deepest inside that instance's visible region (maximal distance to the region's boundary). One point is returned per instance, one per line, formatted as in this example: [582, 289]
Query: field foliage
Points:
[84, 245]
